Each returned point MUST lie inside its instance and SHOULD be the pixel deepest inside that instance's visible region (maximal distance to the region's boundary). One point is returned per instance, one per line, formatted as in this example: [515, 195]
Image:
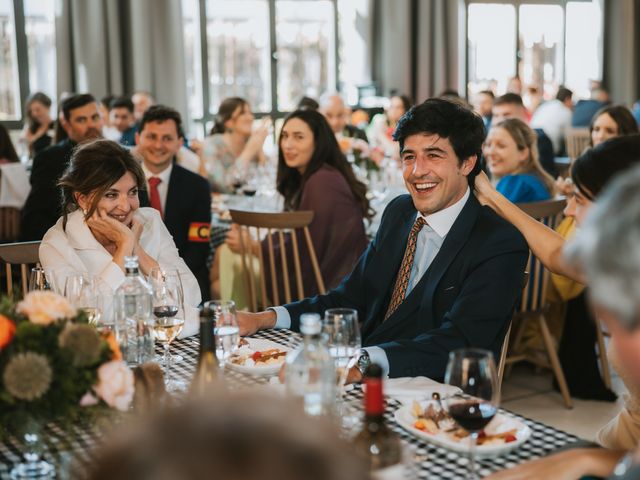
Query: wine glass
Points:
[473, 371]
[157, 276]
[38, 280]
[167, 326]
[226, 329]
[342, 335]
[81, 291]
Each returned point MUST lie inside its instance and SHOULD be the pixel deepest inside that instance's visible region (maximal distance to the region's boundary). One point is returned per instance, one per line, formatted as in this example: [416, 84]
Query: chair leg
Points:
[555, 362]
[517, 340]
[602, 353]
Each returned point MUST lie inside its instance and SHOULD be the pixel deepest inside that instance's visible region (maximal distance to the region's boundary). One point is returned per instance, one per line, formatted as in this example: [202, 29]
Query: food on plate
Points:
[250, 358]
[434, 420]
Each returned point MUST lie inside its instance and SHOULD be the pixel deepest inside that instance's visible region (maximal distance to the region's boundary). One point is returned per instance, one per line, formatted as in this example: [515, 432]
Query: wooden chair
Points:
[9, 224]
[22, 254]
[576, 140]
[505, 343]
[278, 224]
[533, 304]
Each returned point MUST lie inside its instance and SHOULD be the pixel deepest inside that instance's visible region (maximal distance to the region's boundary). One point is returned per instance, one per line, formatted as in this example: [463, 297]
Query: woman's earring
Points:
[84, 211]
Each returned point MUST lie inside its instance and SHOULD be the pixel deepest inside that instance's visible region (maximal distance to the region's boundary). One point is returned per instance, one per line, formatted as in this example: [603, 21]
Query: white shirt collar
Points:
[442, 221]
[163, 175]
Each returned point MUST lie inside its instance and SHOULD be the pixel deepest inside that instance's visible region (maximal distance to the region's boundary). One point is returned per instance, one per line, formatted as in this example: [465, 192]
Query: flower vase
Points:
[33, 465]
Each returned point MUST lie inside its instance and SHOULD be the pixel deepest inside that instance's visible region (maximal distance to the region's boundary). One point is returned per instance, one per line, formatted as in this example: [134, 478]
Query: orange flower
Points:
[113, 344]
[7, 331]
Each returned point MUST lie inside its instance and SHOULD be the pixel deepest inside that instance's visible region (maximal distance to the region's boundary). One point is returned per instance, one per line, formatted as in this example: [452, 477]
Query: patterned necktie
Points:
[402, 280]
[154, 195]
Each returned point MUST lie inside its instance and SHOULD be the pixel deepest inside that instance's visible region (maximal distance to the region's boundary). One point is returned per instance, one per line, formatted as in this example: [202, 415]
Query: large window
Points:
[9, 80]
[546, 44]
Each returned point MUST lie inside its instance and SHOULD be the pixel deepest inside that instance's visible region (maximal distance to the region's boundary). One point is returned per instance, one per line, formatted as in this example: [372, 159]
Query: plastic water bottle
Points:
[310, 372]
[134, 319]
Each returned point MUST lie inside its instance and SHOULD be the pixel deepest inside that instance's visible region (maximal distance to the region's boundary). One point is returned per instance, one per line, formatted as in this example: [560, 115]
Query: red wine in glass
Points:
[473, 416]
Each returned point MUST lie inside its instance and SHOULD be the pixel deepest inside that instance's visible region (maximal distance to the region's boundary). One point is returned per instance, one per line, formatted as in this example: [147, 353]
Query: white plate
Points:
[405, 418]
[258, 345]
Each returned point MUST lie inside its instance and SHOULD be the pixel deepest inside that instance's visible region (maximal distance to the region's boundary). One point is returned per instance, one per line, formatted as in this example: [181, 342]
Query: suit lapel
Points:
[454, 241]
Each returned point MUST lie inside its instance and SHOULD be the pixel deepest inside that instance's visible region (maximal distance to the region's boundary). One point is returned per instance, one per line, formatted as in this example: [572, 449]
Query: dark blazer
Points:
[545, 153]
[464, 299]
[42, 208]
[189, 206]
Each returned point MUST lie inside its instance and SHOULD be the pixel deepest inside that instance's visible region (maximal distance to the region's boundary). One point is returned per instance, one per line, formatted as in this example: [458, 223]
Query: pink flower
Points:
[88, 400]
[44, 307]
[115, 384]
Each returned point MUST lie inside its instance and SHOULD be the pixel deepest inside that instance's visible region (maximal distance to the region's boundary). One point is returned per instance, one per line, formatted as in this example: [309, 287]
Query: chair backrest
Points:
[576, 140]
[507, 337]
[283, 228]
[22, 255]
[550, 213]
[9, 224]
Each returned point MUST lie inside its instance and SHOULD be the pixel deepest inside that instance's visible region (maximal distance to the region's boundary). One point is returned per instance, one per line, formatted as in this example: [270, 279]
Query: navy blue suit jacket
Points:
[465, 298]
[188, 202]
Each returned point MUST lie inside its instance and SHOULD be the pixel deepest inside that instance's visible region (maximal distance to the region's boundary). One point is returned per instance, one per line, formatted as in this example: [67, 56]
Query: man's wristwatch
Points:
[363, 361]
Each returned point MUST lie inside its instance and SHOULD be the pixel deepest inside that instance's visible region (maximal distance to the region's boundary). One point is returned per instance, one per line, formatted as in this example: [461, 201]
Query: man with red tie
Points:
[183, 198]
[443, 272]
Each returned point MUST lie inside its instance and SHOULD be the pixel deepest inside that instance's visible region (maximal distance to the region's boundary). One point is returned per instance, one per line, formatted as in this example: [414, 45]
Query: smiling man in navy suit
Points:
[442, 273]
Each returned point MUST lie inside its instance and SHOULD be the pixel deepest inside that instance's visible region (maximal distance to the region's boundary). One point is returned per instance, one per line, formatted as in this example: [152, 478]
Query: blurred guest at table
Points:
[14, 188]
[607, 253]
[108, 131]
[82, 122]
[351, 139]
[585, 109]
[102, 222]
[233, 145]
[313, 174]
[8, 152]
[442, 272]
[182, 198]
[483, 104]
[532, 99]
[39, 123]
[511, 153]
[510, 105]
[142, 100]
[121, 117]
[307, 103]
[383, 124]
[554, 118]
[236, 437]
[611, 121]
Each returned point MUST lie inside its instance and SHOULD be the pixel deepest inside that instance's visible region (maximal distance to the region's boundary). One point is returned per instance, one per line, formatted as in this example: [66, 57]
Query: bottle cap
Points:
[131, 262]
[310, 324]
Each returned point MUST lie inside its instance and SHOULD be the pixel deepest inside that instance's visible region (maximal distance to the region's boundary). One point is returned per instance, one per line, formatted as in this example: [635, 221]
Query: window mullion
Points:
[22, 51]
[275, 108]
[204, 62]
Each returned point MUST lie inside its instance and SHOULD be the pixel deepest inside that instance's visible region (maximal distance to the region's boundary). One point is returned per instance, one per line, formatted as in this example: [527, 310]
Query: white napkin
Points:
[14, 185]
[407, 389]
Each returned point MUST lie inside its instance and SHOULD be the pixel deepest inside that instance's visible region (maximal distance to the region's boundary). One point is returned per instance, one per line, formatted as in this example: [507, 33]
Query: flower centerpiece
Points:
[55, 366]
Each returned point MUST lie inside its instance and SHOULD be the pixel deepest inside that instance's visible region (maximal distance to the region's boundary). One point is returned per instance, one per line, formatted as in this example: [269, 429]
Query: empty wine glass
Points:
[473, 371]
[38, 280]
[226, 329]
[167, 326]
[157, 276]
[81, 291]
[342, 335]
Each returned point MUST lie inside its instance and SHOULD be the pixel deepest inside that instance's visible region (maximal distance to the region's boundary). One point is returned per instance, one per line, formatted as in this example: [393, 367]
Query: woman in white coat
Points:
[102, 222]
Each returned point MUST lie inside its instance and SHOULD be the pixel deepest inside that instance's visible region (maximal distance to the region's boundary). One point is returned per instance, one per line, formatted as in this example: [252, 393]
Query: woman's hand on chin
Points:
[108, 230]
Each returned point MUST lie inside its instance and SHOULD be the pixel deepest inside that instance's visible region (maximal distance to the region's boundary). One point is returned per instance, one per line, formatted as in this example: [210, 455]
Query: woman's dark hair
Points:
[406, 101]
[7, 150]
[35, 97]
[225, 112]
[593, 170]
[93, 169]
[290, 182]
[620, 114]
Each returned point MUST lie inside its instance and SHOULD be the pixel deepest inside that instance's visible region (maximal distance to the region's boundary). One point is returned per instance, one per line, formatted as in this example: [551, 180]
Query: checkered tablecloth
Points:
[71, 451]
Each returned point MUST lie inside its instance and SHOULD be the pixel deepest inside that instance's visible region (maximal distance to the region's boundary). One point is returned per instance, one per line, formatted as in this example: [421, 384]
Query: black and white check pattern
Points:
[71, 452]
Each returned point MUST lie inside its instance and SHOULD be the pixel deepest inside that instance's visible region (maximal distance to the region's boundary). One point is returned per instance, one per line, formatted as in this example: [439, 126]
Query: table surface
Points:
[437, 462]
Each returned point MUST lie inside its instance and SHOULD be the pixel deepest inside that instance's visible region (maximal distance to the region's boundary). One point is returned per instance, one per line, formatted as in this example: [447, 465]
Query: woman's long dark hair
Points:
[7, 150]
[621, 115]
[290, 182]
[35, 97]
[225, 113]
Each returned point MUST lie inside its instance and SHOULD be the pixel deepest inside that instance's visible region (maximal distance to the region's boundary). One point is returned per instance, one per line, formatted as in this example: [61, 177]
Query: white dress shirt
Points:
[163, 186]
[428, 244]
[74, 250]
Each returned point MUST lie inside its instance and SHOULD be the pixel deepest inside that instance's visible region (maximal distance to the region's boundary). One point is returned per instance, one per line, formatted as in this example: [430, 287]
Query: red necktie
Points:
[402, 280]
[154, 195]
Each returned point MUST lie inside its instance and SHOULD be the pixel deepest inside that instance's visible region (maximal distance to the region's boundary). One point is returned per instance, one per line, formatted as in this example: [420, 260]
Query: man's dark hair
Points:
[121, 102]
[487, 92]
[447, 119]
[161, 113]
[307, 103]
[508, 99]
[106, 100]
[564, 94]
[76, 101]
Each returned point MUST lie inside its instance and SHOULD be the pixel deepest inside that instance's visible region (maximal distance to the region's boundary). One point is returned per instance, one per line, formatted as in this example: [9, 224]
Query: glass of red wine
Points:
[473, 371]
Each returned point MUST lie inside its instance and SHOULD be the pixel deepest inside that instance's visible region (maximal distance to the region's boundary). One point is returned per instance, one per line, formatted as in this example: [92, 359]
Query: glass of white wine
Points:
[39, 280]
[82, 292]
[226, 329]
[167, 326]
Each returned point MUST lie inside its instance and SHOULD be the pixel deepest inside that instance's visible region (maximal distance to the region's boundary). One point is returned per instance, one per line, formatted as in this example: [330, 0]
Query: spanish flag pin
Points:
[199, 231]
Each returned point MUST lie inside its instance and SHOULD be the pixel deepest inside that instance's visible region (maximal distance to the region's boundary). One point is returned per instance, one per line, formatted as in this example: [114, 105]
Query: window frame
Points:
[22, 54]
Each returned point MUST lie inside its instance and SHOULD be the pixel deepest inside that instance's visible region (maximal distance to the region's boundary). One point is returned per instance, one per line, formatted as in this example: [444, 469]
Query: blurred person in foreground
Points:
[607, 252]
[82, 122]
[442, 272]
[102, 222]
[236, 437]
